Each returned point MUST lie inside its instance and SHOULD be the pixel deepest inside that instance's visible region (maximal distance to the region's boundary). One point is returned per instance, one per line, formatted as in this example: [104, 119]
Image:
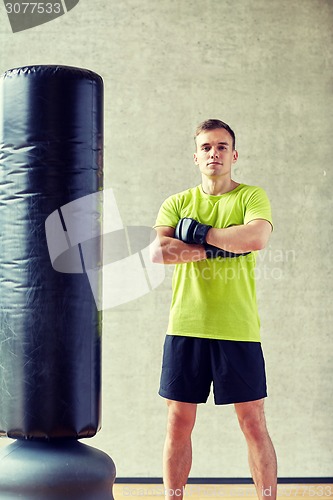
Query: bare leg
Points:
[262, 458]
[177, 454]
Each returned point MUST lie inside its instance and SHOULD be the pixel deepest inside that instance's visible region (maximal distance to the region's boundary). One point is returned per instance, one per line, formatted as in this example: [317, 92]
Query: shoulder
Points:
[249, 189]
[249, 192]
[256, 204]
[182, 196]
[172, 208]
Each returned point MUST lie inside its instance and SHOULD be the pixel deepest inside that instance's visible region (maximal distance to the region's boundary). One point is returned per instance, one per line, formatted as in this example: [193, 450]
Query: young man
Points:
[211, 232]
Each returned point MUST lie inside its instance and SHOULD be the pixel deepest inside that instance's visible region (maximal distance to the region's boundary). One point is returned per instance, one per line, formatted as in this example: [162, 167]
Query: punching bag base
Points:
[55, 470]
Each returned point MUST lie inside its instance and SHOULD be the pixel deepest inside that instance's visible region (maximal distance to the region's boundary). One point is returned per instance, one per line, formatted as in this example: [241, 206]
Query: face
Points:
[214, 155]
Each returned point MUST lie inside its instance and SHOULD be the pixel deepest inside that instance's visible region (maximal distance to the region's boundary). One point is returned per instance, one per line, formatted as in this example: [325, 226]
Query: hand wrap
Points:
[191, 231]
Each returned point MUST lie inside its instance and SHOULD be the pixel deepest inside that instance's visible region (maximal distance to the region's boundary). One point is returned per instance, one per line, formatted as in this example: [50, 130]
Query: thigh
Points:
[186, 374]
[252, 410]
[238, 371]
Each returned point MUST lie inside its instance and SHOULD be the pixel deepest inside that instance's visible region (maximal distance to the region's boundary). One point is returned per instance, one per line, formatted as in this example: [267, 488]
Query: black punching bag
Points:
[51, 153]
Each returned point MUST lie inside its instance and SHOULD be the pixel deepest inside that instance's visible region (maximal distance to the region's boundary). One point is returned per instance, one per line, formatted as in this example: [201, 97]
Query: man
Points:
[211, 232]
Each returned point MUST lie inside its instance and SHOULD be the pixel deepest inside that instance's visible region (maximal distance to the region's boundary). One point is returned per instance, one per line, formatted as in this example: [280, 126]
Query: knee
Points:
[180, 422]
[253, 426]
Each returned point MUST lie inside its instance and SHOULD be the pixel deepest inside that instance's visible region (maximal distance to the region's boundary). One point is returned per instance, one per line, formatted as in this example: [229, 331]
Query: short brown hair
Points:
[213, 124]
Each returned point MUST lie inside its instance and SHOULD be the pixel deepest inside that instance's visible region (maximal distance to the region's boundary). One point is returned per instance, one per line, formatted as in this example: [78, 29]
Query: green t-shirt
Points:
[216, 298]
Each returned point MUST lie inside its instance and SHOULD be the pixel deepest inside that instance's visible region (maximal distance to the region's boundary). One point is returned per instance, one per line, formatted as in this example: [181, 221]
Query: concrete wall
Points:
[264, 66]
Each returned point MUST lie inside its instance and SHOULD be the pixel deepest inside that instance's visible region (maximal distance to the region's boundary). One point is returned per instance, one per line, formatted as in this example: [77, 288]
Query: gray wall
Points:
[264, 66]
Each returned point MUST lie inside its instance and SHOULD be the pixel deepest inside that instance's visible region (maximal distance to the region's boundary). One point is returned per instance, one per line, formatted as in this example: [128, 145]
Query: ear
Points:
[195, 158]
[234, 156]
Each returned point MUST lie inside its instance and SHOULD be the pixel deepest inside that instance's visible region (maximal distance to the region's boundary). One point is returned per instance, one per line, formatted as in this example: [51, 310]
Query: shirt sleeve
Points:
[258, 207]
[168, 214]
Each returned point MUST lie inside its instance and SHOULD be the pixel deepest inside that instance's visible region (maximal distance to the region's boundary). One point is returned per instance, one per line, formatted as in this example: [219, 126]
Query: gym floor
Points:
[217, 491]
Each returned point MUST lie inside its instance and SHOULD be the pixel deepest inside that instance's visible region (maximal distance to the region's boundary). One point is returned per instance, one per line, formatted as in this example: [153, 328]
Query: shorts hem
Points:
[181, 399]
[238, 399]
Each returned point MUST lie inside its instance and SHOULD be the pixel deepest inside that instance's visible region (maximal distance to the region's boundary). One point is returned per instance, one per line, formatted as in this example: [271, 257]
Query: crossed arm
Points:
[238, 239]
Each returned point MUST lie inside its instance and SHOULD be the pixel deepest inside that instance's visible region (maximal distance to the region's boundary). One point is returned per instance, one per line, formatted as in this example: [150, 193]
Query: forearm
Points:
[172, 251]
[237, 239]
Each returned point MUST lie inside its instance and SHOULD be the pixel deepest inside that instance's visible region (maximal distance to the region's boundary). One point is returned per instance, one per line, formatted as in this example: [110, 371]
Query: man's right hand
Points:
[213, 252]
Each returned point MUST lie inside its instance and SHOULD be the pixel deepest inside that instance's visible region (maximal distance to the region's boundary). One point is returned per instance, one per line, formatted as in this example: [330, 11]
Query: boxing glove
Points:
[191, 231]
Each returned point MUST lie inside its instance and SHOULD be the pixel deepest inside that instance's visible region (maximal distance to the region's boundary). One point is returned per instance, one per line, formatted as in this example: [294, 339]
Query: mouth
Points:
[214, 163]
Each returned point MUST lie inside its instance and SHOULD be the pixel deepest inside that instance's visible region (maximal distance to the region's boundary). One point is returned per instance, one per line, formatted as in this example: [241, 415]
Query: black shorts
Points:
[191, 365]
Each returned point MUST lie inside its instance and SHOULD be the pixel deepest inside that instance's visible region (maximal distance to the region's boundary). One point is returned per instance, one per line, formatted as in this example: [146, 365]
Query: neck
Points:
[217, 186]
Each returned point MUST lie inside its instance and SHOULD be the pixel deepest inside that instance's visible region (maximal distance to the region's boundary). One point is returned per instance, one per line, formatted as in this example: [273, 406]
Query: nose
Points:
[214, 153]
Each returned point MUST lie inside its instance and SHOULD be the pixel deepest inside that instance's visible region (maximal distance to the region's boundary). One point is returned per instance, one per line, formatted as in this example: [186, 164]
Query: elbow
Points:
[258, 246]
[155, 252]
[157, 258]
[156, 255]
[258, 234]
[258, 243]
